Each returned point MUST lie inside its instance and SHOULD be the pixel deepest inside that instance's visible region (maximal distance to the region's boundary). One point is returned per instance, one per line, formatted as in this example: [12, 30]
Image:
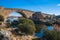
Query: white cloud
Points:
[58, 4]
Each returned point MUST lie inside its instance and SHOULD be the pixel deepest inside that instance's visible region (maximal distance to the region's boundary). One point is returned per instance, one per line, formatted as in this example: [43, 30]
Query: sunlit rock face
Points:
[3, 36]
[6, 34]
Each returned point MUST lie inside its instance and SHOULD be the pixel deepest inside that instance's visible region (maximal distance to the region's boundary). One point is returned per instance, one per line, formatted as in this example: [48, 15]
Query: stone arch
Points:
[23, 15]
[6, 11]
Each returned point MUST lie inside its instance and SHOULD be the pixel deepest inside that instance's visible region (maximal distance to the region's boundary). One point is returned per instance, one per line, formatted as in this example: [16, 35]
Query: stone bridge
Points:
[25, 13]
[6, 11]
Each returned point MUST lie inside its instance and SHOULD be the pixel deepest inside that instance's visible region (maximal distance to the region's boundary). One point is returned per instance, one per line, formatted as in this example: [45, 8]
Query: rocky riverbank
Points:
[6, 34]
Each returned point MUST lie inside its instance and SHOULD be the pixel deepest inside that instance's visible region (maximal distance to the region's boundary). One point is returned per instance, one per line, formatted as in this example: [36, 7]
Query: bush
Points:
[27, 26]
[50, 35]
[39, 27]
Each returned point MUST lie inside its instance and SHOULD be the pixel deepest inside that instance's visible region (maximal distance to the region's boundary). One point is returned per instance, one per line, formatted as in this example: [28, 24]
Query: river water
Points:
[40, 34]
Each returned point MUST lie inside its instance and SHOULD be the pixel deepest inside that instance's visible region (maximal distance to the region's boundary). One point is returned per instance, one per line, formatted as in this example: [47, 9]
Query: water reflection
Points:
[50, 28]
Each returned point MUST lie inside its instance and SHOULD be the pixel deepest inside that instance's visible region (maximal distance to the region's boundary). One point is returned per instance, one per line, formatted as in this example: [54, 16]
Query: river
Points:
[40, 34]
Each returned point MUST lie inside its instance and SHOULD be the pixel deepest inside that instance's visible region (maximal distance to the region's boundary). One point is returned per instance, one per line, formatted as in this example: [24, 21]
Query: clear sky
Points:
[45, 6]
[15, 14]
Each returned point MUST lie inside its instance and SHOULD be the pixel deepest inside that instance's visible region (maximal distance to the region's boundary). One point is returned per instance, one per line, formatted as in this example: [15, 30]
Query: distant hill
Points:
[58, 16]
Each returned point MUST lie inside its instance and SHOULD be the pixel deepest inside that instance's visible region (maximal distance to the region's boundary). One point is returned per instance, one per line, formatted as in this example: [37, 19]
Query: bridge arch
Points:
[15, 14]
[6, 11]
[20, 12]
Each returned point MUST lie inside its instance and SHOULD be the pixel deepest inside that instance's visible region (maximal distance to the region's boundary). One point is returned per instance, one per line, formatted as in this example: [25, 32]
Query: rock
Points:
[8, 35]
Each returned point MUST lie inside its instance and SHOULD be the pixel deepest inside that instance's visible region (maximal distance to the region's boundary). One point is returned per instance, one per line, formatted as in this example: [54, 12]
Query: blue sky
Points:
[15, 14]
[45, 6]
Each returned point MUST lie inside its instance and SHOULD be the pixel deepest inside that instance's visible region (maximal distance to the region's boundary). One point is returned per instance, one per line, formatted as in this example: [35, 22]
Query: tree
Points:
[15, 23]
[39, 27]
[27, 26]
[58, 35]
[50, 35]
[51, 21]
[8, 22]
[1, 18]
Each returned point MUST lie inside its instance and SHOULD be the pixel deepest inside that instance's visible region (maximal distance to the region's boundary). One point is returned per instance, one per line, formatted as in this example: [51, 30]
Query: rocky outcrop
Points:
[6, 34]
